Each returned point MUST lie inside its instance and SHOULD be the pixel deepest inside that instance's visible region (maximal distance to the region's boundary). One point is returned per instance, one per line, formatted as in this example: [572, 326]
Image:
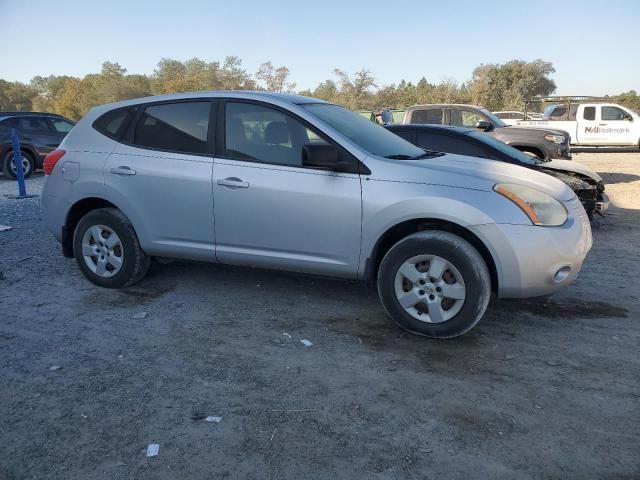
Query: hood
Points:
[475, 173]
[580, 170]
[528, 130]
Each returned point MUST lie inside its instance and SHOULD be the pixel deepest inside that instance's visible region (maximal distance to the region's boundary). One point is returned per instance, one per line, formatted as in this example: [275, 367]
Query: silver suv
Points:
[294, 183]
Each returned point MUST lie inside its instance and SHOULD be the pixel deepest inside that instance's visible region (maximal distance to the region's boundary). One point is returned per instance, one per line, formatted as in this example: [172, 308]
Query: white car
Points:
[592, 124]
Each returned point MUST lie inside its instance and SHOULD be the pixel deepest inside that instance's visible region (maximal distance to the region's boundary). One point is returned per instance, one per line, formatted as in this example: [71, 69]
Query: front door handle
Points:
[233, 182]
[123, 170]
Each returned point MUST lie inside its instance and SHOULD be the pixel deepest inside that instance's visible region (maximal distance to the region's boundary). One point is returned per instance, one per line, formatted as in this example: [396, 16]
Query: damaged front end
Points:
[589, 192]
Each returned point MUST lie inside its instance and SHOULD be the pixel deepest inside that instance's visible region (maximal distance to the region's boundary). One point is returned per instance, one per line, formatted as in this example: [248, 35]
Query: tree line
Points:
[494, 86]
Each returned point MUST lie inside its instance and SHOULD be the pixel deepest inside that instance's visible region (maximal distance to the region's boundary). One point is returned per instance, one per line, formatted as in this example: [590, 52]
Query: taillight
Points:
[50, 161]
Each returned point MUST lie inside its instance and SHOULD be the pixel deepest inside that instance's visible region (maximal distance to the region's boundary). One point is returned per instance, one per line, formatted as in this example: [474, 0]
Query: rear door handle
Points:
[123, 170]
[233, 182]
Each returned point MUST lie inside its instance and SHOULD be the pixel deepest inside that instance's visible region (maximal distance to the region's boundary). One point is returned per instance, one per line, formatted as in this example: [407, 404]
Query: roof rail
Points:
[571, 99]
[31, 113]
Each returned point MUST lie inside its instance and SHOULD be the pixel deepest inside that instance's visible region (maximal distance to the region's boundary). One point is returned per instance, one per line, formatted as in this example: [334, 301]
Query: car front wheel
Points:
[434, 283]
[107, 249]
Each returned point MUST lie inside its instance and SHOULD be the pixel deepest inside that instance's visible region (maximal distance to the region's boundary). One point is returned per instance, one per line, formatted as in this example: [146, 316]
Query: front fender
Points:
[463, 207]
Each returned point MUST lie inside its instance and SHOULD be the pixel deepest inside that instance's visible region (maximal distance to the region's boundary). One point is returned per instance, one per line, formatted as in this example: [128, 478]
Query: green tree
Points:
[16, 96]
[274, 78]
[508, 85]
[355, 93]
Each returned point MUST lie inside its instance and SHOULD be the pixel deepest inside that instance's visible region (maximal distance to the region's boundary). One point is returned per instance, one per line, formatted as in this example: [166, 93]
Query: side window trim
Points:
[220, 140]
[128, 137]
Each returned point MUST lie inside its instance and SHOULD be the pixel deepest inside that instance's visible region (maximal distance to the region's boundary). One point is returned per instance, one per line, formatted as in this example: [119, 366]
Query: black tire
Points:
[8, 161]
[459, 253]
[135, 262]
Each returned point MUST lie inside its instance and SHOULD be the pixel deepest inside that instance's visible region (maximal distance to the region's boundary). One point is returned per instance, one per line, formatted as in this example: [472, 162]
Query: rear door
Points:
[160, 175]
[37, 131]
[270, 211]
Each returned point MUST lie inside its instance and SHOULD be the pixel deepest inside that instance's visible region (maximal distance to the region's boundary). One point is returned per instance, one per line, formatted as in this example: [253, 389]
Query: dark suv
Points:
[544, 143]
[39, 133]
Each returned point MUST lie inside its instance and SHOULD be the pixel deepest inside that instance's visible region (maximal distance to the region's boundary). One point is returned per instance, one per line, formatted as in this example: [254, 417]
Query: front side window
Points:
[174, 127]
[33, 126]
[431, 116]
[257, 133]
[61, 126]
[612, 113]
[589, 113]
[465, 118]
[369, 136]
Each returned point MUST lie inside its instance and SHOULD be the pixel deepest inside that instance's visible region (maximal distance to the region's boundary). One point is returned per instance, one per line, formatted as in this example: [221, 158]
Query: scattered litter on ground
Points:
[153, 449]
[553, 363]
[53, 368]
[306, 342]
[120, 357]
[139, 316]
[83, 416]
[213, 419]
[197, 414]
[285, 334]
[273, 434]
[538, 407]
[509, 357]
[120, 464]
[5, 228]
[24, 258]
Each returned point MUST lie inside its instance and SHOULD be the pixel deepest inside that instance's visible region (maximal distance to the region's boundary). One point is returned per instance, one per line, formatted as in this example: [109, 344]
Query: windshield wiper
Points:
[426, 154]
[400, 156]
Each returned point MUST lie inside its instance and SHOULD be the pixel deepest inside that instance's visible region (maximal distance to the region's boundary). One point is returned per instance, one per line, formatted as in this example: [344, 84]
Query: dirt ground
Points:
[539, 389]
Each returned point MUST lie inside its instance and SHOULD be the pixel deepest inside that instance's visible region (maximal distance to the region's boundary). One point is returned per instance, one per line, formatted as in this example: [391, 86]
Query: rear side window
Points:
[33, 126]
[449, 144]
[174, 127]
[589, 113]
[432, 116]
[114, 123]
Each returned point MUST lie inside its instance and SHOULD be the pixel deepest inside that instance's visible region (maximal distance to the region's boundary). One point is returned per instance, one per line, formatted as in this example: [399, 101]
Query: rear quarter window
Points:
[114, 123]
[432, 116]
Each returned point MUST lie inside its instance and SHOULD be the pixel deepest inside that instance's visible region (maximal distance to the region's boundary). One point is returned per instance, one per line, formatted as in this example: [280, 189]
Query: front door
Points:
[270, 211]
[161, 178]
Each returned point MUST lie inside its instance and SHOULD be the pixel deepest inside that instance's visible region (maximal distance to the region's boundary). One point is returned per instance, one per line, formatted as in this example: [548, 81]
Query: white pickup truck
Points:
[592, 124]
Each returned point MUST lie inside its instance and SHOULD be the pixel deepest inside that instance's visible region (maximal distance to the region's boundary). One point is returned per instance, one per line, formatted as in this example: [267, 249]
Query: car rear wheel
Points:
[9, 165]
[107, 249]
[435, 284]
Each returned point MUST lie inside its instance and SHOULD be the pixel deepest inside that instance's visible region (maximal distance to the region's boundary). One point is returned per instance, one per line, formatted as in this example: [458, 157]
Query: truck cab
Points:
[592, 124]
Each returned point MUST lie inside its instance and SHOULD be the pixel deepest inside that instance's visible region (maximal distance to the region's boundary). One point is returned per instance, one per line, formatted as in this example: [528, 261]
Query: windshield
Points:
[493, 118]
[367, 135]
[507, 149]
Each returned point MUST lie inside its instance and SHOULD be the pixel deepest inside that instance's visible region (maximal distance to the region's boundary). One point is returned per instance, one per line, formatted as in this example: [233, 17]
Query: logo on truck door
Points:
[606, 130]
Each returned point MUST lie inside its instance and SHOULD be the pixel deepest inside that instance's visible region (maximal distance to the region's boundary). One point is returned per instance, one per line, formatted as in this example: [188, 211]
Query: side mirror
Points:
[627, 117]
[321, 156]
[484, 125]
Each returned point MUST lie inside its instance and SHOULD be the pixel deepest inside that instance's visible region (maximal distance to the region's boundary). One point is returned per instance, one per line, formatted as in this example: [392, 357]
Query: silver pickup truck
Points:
[544, 143]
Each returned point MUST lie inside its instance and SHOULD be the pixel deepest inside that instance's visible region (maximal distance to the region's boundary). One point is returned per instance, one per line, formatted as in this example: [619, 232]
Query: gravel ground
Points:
[539, 389]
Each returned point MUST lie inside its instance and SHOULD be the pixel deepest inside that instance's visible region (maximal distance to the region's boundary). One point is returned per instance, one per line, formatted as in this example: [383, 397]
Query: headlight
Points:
[559, 139]
[542, 209]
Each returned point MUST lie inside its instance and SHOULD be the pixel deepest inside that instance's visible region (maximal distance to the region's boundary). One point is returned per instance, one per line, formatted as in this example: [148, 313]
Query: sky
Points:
[593, 44]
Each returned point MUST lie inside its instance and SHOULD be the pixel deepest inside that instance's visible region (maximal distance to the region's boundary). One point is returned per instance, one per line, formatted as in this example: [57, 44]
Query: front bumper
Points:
[534, 261]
